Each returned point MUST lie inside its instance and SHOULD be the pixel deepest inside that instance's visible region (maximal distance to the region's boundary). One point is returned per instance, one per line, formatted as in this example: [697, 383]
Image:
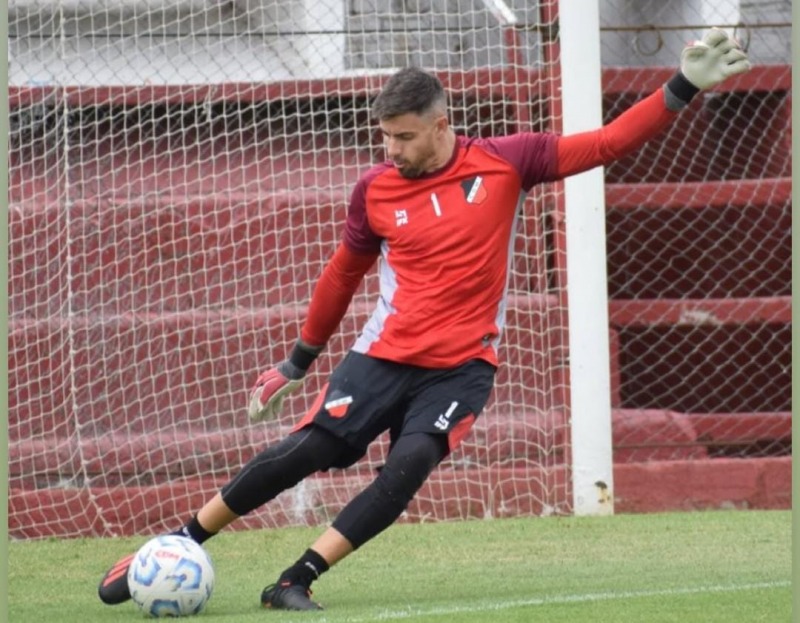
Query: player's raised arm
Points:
[329, 301]
[703, 65]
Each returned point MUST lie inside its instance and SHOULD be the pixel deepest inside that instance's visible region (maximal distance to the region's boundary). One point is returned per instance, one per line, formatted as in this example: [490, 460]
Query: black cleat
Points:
[113, 588]
[288, 596]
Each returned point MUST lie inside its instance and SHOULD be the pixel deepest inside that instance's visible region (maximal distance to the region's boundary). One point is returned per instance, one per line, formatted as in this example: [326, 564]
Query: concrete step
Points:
[172, 253]
[499, 439]
[145, 372]
[469, 493]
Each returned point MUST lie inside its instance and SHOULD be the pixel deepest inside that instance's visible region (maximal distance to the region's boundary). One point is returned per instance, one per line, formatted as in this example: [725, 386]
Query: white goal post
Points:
[587, 293]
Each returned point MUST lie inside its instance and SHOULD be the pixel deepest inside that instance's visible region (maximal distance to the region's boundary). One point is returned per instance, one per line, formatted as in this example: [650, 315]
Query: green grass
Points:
[684, 567]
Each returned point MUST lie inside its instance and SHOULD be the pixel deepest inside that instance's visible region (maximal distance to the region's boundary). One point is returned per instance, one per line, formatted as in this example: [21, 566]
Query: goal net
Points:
[179, 174]
[699, 245]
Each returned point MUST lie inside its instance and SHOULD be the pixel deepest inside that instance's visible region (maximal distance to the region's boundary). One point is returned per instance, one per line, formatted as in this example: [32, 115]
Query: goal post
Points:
[587, 295]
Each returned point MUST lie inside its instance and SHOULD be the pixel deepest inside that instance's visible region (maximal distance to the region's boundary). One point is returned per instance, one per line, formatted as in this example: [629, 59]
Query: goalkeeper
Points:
[440, 214]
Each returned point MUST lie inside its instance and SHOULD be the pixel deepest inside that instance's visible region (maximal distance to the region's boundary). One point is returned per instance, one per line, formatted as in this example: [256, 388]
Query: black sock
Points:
[195, 531]
[307, 569]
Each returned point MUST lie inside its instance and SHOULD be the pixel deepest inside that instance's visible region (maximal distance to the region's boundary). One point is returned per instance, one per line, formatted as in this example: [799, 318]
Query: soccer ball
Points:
[171, 576]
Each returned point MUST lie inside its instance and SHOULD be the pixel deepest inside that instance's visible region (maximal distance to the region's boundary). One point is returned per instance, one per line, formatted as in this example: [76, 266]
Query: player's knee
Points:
[408, 466]
[410, 463]
[394, 489]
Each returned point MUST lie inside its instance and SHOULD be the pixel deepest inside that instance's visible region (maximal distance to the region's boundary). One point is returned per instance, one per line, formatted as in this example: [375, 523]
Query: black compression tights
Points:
[408, 465]
[280, 467]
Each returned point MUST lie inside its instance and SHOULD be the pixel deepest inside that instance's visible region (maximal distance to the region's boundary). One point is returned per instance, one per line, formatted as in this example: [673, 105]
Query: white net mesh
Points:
[179, 174]
[698, 240]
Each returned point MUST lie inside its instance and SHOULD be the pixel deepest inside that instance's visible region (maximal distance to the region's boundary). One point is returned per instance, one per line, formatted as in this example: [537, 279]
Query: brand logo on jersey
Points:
[402, 217]
[444, 418]
[338, 407]
[474, 190]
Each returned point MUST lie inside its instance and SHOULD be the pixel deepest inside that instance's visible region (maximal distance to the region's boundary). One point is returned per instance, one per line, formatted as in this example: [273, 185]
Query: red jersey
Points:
[445, 241]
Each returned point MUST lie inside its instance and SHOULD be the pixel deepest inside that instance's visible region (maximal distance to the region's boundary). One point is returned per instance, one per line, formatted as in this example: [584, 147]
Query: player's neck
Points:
[444, 154]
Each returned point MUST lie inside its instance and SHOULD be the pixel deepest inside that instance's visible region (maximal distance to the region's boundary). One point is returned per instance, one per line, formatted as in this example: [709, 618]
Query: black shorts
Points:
[366, 396]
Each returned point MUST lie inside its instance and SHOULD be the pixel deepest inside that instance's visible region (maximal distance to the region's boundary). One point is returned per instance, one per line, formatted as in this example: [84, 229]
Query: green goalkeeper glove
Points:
[713, 60]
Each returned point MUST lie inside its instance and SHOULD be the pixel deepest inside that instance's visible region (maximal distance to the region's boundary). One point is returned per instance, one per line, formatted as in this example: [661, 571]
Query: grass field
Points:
[684, 567]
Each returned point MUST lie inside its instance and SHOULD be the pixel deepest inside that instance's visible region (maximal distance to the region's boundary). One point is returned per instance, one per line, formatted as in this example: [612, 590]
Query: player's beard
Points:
[413, 170]
[410, 172]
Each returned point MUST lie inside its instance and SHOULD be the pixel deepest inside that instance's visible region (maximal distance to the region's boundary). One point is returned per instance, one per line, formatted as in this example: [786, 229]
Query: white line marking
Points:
[412, 613]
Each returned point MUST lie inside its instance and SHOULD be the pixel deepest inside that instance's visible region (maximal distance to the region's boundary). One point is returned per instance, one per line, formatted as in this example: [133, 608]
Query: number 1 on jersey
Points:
[436, 207]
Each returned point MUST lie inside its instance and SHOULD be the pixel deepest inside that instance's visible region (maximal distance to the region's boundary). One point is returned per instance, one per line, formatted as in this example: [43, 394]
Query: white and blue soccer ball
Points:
[171, 576]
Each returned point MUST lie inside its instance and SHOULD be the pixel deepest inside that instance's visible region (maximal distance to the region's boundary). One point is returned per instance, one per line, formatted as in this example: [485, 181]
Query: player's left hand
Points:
[713, 60]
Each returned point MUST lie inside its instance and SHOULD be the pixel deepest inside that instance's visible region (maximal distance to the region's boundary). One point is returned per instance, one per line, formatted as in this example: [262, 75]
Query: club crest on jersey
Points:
[474, 190]
[401, 217]
[338, 406]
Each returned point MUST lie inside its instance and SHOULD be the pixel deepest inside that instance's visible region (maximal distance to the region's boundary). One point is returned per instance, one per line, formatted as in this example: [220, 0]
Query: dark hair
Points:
[410, 90]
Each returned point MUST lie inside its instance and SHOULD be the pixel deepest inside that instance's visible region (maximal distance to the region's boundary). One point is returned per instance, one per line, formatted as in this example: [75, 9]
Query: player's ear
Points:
[441, 124]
